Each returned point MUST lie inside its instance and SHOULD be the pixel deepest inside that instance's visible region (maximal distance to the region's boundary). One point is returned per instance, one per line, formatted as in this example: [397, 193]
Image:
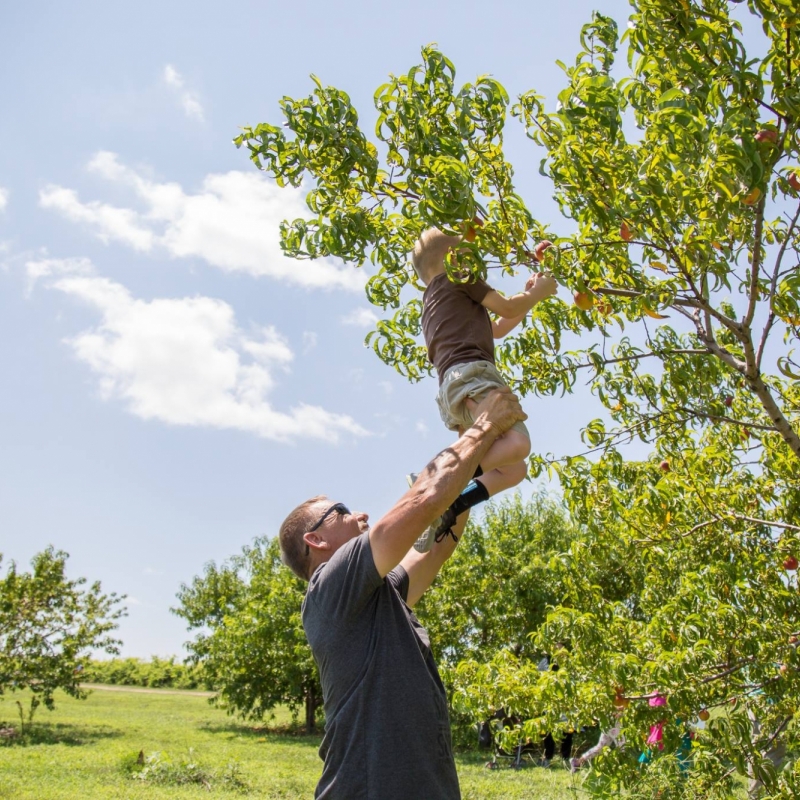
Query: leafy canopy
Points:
[678, 183]
[49, 626]
[250, 641]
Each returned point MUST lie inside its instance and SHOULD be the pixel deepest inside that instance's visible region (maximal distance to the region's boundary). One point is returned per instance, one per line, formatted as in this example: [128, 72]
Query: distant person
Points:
[549, 748]
[460, 334]
[387, 730]
[611, 736]
[549, 743]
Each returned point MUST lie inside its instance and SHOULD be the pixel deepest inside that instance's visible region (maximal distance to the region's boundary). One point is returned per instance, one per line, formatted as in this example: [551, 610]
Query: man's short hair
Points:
[290, 537]
[429, 251]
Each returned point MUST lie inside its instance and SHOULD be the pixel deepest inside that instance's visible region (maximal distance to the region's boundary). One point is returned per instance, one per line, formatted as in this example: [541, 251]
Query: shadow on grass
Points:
[264, 731]
[58, 733]
[482, 758]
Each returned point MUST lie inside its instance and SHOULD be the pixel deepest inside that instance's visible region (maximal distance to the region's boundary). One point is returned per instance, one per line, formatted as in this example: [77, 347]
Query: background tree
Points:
[49, 626]
[497, 588]
[250, 642]
[680, 183]
[510, 569]
[155, 672]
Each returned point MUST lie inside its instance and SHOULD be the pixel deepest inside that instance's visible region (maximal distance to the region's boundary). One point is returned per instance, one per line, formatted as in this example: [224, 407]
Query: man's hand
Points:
[440, 482]
[501, 409]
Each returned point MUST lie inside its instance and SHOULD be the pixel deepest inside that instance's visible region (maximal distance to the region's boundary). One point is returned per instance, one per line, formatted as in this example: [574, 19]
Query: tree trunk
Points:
[776, 754]
[311, 709]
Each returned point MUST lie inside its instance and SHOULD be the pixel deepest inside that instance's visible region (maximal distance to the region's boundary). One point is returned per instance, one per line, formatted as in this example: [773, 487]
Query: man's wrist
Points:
[485, 427]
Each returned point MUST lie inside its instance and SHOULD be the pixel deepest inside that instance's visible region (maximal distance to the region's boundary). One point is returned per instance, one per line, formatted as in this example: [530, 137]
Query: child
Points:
[459, 334]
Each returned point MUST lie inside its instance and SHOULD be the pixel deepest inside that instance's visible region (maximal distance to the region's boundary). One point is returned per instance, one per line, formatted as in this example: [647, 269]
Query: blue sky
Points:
[172, 385]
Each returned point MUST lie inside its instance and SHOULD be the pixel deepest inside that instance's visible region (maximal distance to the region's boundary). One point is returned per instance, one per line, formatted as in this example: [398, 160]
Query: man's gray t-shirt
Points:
[387, 731]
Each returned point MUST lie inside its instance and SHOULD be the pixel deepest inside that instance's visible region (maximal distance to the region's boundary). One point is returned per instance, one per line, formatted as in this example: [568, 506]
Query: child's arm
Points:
[502, 326]
[512, 310]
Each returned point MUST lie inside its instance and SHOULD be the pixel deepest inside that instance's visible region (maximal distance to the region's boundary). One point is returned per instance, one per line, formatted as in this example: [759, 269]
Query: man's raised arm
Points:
[441, 481]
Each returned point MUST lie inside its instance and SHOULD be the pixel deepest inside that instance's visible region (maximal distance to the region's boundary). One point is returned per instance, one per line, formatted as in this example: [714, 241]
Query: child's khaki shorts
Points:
[468, 381]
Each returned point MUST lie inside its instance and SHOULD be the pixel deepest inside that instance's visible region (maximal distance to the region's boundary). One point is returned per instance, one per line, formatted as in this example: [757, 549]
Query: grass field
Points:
[87, 750]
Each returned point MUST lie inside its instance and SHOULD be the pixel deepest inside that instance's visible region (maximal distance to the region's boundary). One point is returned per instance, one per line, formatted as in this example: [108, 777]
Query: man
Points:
[387, 731]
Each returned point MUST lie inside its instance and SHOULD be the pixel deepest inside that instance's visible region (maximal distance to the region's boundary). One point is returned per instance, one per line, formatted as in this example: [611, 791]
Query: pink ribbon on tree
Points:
[656, 735]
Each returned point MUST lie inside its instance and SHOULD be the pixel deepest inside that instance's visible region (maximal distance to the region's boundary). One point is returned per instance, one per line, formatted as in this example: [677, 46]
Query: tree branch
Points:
[636, 357]
[755, 265]
[719, 351]
[729, 420]
[770, 523]
[773, 110]
[761, 390]
[773, 286]
[734, 668]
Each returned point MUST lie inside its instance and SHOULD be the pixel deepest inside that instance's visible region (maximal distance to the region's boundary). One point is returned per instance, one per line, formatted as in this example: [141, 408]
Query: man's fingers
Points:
[502, 408]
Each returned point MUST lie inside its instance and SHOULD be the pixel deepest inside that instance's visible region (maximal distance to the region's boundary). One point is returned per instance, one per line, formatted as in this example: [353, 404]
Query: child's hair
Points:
[429, 251]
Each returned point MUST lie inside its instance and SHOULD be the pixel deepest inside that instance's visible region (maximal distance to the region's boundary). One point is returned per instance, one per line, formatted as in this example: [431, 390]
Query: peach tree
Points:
[50, 626]
[249, 641]
[678, 182]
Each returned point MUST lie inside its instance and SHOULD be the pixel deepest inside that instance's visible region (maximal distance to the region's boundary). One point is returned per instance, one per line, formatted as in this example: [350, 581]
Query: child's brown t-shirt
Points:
[456, 327]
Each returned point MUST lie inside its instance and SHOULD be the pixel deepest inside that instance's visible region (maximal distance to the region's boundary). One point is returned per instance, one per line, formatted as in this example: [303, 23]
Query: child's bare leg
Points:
[511, 448]
[502, 467]
[502, 478]
[505, 455]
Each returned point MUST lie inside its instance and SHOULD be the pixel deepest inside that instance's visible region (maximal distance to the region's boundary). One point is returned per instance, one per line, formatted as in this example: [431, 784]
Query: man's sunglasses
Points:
[339, 508]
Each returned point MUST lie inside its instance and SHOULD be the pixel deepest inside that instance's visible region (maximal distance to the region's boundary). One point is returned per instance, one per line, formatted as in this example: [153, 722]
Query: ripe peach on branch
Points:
[538, 251]
[767, 135]
[471, 229]
[584, 300]
[752, 197]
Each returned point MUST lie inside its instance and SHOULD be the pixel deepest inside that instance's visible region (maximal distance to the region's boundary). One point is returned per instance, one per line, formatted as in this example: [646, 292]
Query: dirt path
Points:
[102, 687]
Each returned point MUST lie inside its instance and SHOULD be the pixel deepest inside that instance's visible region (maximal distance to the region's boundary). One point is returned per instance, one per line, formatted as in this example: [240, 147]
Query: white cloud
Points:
[132, 601]
[49, 267]
[191, 105]
[387, 387]
[152, 571]
[232, 223]
[421, 427]
[309, 341]
[3, 198]
[121, 224]
[360, 317]
[189, 100]
[185, 361]
[172, 77]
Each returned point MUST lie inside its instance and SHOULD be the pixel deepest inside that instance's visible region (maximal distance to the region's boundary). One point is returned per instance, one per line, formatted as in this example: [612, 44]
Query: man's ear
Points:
[314, 541]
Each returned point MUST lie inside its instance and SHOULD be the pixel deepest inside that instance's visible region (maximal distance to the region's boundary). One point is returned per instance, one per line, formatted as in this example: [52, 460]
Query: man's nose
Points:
[362, 515]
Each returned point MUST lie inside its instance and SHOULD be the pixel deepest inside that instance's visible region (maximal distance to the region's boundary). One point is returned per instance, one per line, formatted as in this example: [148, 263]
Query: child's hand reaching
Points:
[542, 285]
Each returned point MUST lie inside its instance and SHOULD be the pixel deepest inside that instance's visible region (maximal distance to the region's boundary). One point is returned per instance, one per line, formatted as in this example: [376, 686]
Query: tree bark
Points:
[311, 709]
[755, 383]
[752, 375]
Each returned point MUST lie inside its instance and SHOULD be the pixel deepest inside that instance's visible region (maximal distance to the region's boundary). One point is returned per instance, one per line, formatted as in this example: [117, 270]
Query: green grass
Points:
[87, 750]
